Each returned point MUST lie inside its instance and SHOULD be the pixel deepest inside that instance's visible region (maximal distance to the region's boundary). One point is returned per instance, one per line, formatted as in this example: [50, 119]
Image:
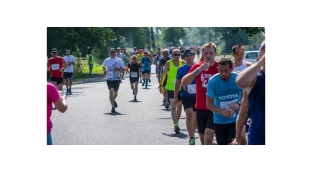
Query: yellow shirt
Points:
[139, 57]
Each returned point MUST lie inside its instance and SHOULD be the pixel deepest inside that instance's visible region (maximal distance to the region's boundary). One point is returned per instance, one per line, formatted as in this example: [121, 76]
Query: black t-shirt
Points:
[134, 67]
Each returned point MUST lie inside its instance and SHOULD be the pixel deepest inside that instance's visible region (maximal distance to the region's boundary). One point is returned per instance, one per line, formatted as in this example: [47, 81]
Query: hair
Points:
[226, 61]
[237, 46]
[133, 56]
[67, 50]
[208, 44]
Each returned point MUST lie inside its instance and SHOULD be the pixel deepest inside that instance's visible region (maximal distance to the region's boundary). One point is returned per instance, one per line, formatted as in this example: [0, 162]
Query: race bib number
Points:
[191, 89]
[55, 66]
[109, 75]
[134, 74]
[228, 105]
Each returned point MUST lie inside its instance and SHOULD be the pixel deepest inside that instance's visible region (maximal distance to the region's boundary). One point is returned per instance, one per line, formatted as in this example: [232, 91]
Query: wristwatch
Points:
[238, 103]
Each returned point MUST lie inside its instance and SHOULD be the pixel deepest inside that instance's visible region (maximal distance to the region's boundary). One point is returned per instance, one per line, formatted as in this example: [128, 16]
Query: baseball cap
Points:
[118, 48]
[188, 52]
[145, 51]
[54, 50]
[112, 50]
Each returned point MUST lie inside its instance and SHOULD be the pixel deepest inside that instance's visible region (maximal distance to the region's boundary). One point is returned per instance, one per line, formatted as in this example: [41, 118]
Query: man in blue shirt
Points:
[146, 62]
[187, 95]
[223, 98]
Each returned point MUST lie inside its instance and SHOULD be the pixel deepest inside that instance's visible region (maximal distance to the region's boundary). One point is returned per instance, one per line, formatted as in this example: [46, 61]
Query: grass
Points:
[96, 72]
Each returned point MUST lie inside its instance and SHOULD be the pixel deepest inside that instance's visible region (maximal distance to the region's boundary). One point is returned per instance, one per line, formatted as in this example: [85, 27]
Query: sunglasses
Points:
[176, 54]
[54, 52]
[112, 52]
[240, 53]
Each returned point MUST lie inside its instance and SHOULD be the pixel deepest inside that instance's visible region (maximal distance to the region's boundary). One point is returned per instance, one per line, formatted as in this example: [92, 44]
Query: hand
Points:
[61, 70]
[161, 89]
[235, 107]
[227, 113]
[116, 69]
[248, 120]
[63, 98]
[235, 142]
[203, 66]
[176, 100]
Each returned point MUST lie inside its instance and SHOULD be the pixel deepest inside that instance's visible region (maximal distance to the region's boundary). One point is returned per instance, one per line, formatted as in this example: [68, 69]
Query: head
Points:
[54, 52]
[135, 49]
[165, 53]
[189, 57]
[112, 53]
[118, 50]
[124, 50]
[140, 50]
[225, 67]
[67, 52]
[209, 52]
[176, 54]
[133, 59]
[238, 52]
[145, 52]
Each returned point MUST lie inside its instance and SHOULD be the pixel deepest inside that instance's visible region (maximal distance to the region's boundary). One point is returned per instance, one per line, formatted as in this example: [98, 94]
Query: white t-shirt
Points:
[111, 63]
[120, 56]
[70, 67]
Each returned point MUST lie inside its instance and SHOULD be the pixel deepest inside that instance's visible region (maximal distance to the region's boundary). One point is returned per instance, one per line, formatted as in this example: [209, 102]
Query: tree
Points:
[249, 30]
[174, 34]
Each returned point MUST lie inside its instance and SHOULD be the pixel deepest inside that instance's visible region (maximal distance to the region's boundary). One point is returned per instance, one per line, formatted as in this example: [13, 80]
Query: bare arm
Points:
[164, 73]
[61, 104]
[177, 88]
[210, 105]
[65, 64]
[247, 77]
[242, 116]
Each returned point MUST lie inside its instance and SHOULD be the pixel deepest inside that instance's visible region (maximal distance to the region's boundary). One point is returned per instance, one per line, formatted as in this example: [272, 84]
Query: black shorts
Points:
[225, 133]
[113, 84]
[171, 95]
[134, 80]
[188, 102]
[204, 119]
[146, 71]
[68, 75]
[58, 80]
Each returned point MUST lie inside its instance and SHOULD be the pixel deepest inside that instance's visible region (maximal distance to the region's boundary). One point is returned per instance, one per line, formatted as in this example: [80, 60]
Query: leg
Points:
[222, 134]
[49, 139]
[209, 131]
[71, 81]
[179, 107]
[173, 111]
[243, 136]
[231, 132]
[136, 88]
[60, 84]
[201, 118]
[189, 121]
[111, 96]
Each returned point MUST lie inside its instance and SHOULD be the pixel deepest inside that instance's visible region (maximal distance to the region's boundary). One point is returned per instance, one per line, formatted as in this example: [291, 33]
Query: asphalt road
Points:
[88, 120]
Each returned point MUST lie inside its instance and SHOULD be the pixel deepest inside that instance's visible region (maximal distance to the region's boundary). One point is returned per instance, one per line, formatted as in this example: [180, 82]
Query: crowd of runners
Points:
[222, 98]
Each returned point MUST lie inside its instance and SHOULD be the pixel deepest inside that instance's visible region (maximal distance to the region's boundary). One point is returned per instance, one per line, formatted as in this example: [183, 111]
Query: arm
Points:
[58, 101]
[61, 104]
[104, 67]
[188, 78]
[162, 80]
[210, 95]
[65, 64]
[90, 57]
[241, 118]
[246, 78]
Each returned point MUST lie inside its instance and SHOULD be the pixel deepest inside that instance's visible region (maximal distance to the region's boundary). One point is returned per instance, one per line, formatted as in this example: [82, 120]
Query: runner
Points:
[112, 67]
[155, 61]
[139, 56]
[146, 63]
[56, 64]
[126, 59]
[134, 75]
[223, 98]
[53, 97]
[120, 56]
[91, 63]
[161, 67]
[69, 71]
[202, 71]
[171, 68]
[240, 65]
[252, 79]
[188, 95]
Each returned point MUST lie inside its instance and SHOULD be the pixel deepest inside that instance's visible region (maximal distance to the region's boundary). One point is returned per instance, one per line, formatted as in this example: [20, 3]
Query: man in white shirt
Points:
[69, 71]
[112, 67]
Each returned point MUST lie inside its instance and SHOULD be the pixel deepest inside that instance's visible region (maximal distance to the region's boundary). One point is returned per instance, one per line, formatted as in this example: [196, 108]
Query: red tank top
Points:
[55, 65]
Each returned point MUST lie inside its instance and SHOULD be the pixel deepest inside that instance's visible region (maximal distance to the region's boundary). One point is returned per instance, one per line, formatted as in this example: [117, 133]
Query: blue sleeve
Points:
[179, 73]
[150, 60]
[210, 88]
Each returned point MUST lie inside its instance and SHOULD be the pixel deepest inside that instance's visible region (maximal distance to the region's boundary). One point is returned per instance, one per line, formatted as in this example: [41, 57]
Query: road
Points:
[88, 120]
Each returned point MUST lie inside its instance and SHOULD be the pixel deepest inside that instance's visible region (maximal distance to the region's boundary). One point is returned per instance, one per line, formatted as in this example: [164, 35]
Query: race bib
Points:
[55, 66]
[228, 105]
[109, 75]
[191, 89]
[134, 74]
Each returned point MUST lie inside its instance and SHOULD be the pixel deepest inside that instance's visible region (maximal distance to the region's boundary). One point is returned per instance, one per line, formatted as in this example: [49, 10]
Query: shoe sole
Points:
[177, 130]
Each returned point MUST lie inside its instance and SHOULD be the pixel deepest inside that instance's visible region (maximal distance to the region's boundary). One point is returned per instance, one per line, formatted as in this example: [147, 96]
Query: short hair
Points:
[209, 44]
[237, 46]
[226, 61]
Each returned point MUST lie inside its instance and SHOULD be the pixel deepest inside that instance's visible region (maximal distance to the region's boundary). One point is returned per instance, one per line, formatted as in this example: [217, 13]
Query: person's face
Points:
[112, 53]
[239, 54]
[54, 54]
[176, 54]
[225, 71]
[189, 58]
[209, 54]
[135, 49]
[67, 52]
[124, 50]
[118, 50]
[158, 53]
[165, 53]
[134, 60]
[145, 53]
[141, 51]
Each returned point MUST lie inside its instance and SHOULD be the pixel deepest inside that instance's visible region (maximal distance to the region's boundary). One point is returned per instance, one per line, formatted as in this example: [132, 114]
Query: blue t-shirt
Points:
[189, 90]
[146, 61]
[225, 93]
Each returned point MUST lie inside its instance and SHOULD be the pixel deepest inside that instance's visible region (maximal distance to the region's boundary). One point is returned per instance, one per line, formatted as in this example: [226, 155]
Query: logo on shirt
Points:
[228, 97]
[204, 78]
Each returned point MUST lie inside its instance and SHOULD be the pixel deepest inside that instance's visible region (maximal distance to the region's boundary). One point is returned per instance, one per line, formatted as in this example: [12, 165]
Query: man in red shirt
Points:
[202, 71]
[56, 64]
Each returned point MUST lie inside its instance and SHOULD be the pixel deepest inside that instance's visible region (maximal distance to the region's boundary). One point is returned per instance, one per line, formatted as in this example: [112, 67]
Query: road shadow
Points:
[75, 88]
[134, 101]
[169, 118]
[114, 114]
[166, 110]
[179, 135]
